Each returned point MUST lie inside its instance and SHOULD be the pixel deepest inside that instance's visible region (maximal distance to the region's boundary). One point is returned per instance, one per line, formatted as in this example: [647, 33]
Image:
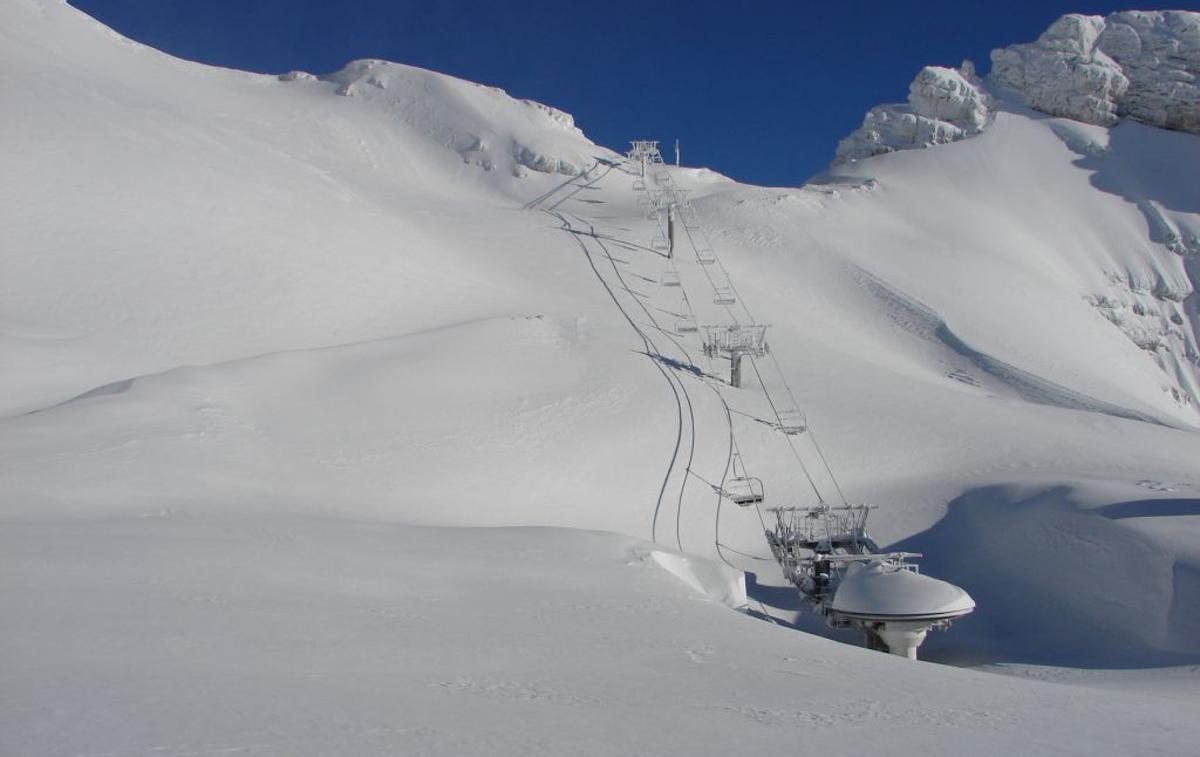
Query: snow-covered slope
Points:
[1096, 71]
[159, 213]
[266, 338]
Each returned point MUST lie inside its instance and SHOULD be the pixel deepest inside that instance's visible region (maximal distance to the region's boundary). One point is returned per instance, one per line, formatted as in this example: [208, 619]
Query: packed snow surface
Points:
[347, 415]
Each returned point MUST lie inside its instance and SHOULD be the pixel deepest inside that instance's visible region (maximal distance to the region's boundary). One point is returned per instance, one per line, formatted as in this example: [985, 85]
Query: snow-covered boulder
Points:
[944, 105]
[1140, 64]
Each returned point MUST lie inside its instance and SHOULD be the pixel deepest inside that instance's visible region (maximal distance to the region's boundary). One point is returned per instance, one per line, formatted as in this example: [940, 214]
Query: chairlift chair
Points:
[705, 257]
[670, 279]
[723, 296]
[660, 243]
[639, 184]
[686, 325]
[744, 491]
[791, 422]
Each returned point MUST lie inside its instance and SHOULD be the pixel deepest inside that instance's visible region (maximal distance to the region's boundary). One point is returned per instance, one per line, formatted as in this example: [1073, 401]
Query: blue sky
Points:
[760, 91]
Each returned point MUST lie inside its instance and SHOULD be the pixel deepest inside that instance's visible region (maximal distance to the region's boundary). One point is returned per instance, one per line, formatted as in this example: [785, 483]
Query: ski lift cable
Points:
[675, 381]
[703, 480]
[734, 448]
[741, 301]
[744, 554]
[783, 379]
[716, 258]
[791, 445]
[708, 275]
[624, 285]
[670, 189]
[691, 458]
[724, 475]
[580, 187]
[734, 451]
[829, 470]
[755, 418]
[736, 456]
[546, 195]
[695, 248]
[649, 348]
[824, 461]
[686, 395]
[674, 200]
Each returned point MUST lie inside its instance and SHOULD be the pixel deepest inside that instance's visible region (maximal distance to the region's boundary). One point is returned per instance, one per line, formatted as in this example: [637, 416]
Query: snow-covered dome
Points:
[890, 592]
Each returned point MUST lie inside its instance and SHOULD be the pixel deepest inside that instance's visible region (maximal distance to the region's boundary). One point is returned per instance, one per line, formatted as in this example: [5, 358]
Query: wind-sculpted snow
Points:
[944, 105]
[1140, 64]
[1147, 616]
[464, 117]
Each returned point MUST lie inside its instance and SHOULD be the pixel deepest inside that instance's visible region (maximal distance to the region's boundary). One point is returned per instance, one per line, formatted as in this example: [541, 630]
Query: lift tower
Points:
[644, 152]
[735, 342]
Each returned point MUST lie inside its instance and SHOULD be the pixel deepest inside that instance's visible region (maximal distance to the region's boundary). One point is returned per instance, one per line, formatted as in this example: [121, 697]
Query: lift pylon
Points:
[734, 342]
[644, 152]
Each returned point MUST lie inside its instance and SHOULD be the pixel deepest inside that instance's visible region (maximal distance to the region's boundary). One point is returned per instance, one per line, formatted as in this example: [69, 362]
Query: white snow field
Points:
[346, 415]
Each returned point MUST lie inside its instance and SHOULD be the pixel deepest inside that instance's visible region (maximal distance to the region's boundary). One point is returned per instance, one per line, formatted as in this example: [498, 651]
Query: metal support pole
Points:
[677, 153]
[735, 369]
[671, 231]
[643, 165]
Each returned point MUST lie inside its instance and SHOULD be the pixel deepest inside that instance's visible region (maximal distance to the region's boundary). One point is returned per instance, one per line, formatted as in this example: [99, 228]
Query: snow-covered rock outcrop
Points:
[944, 105]
[1140, 64]
[1143, 65]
